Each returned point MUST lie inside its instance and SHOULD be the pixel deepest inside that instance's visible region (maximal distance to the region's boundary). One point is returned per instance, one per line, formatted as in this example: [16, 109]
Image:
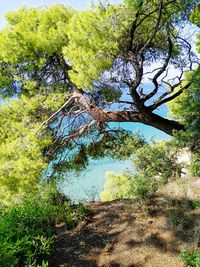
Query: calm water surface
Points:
[87, 185]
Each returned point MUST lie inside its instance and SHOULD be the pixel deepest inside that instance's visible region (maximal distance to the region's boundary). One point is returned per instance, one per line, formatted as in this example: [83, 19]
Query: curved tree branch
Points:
[161, 70]
[168, 99]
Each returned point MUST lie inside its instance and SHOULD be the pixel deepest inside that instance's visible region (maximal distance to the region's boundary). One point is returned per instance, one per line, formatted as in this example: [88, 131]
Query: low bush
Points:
[127, 186]
[26, 229]
[157, 160]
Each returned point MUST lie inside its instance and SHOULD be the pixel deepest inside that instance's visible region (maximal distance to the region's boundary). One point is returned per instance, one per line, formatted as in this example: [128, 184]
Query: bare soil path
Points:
[125, 233]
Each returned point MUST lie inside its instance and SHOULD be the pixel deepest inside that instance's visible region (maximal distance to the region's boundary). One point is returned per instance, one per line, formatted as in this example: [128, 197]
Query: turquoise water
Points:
[87, 185]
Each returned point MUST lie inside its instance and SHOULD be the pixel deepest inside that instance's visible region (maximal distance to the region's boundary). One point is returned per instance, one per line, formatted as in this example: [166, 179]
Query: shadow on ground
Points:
[128, 233]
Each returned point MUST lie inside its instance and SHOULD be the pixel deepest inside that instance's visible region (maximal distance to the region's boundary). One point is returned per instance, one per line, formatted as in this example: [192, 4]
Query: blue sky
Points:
[9, 5]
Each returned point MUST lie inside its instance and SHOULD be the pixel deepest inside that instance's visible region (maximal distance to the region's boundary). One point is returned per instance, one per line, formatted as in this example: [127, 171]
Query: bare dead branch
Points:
[52, 117]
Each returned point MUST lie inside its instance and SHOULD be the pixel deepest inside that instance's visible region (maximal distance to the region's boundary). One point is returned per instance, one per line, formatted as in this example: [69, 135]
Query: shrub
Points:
[125, 186]
[26, 230]
[116, 186]
[157, 160]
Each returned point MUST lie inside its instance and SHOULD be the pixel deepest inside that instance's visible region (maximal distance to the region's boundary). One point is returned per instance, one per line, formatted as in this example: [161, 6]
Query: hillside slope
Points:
[148, 233]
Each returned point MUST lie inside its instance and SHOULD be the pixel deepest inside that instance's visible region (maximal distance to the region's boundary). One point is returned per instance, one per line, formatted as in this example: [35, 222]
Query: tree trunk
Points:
[144, 116]
[162, 124]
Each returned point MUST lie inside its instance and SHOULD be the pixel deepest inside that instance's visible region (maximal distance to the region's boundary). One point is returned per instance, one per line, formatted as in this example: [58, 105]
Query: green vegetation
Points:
[26, 60]
[124, 186]
[61, 73]
[27, 229]
[191, 258]
[59, 68]
[99, 35]
[154, 165]
[185, 108]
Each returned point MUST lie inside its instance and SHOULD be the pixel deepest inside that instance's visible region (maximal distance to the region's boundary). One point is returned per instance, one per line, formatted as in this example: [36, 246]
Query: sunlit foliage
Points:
[23, 142]
[153, 165]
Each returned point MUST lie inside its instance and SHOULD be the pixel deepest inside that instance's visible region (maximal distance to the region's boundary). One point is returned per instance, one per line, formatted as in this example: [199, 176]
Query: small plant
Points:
[195, 204]
[191, 258]
[174, 218]
[178, 219]
[44, 264]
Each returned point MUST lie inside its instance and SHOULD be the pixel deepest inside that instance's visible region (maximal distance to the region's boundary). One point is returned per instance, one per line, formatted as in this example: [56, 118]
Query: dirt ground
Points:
[147, 233]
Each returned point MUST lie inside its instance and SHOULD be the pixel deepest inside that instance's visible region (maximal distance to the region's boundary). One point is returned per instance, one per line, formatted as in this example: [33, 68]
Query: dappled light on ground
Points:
[150, 232]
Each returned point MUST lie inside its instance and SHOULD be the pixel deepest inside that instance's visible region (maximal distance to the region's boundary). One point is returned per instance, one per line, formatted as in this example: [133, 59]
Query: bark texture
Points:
[145, 116]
